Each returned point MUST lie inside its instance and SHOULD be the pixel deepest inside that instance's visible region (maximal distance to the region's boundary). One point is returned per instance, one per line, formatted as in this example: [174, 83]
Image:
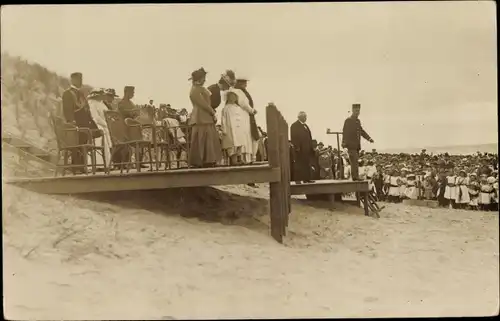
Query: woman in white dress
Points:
[97, 109]
[236, 135]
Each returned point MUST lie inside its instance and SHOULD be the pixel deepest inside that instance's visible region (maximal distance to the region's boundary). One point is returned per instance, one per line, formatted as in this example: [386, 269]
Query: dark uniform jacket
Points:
[128, 109]
[76, 108]
[352, 132]
[215, 97]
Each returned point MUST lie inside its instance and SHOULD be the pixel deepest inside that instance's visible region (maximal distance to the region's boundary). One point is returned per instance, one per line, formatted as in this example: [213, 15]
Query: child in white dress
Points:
[394, 187]
[462, 198]
[485, 194]
[473, 191]
[411, 191]
[450, 191]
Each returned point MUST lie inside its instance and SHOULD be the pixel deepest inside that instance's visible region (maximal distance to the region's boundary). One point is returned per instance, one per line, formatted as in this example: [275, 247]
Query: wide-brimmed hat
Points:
[95, 93]
[198, 74]
[110, 91]
[242, 77]
[229, 77]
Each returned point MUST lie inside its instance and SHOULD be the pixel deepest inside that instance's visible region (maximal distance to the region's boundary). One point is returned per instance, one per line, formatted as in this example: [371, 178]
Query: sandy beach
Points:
[139, 255]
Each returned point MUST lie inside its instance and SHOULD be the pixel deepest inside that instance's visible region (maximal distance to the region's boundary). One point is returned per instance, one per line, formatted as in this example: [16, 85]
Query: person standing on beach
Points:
[351, 139]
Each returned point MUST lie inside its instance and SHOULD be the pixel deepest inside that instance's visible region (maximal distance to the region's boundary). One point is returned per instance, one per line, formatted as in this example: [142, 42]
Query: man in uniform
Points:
[77, 112]
[351, 139]
[128, 110]
[126, 107]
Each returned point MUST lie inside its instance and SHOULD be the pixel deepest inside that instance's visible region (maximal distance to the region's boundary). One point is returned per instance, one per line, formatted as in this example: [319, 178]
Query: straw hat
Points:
[111, 92]
[95, 93]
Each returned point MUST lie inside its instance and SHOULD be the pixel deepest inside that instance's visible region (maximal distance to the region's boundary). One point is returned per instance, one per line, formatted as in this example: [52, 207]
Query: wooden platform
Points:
[276, 172]
[329, 186]
[149, 180]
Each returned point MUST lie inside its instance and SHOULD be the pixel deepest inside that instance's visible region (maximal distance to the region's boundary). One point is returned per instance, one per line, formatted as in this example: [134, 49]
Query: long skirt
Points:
[205, 146]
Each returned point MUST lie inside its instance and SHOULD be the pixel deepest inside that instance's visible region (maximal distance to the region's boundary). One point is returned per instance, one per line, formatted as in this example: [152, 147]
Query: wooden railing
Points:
[329, 132]
[278, 156]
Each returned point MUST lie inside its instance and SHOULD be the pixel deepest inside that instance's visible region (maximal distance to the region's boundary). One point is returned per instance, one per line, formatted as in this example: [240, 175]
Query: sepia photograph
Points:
[185, 161]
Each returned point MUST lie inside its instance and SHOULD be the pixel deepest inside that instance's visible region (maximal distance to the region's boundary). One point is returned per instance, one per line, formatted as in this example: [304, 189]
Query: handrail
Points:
[52, 167]
[4, 131]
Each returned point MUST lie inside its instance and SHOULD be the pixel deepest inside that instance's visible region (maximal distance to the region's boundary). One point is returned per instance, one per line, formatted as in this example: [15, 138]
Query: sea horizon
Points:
[460, 149]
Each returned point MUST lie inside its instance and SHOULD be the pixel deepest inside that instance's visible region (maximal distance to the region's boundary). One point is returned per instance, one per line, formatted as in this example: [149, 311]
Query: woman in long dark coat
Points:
[205, 148]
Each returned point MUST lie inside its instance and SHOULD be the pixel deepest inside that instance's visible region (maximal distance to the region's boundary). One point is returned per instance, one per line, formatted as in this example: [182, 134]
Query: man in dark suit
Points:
[351, 139]
[301, 139]
[77, 112]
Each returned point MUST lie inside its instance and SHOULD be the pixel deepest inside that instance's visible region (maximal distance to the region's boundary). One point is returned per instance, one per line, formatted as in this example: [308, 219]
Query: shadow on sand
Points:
[204, 203]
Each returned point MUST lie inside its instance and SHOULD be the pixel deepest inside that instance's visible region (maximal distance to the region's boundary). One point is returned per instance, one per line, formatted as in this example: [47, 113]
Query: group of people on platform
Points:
[311, 160]
[237, 136]
[237, 140]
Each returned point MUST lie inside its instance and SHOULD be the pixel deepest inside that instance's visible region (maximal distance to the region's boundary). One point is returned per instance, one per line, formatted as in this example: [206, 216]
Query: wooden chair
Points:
[126, 134]
[67, 138]
[170, 142]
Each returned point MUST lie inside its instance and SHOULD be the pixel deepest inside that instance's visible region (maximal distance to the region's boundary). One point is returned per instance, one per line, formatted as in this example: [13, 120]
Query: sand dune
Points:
[139, 255]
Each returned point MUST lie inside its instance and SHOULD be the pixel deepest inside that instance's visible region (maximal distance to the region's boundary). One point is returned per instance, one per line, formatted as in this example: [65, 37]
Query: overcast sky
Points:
[424, 72]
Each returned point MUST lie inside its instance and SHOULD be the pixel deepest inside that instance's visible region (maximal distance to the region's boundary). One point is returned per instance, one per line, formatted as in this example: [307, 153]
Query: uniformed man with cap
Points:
[126, 107]
[76, 111]
[128, 110]
[351, 139]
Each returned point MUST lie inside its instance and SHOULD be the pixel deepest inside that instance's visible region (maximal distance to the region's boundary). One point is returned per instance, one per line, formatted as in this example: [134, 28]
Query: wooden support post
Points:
[287, 168]
[285, 185]
[275, 200]
[365, 203]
